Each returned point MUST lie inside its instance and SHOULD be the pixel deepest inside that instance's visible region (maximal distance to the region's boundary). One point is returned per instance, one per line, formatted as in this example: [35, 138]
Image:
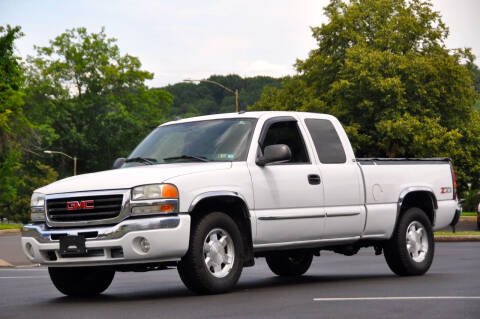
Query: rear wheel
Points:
[410, 250]
[81, 281]
[214, 261]
[291, 263]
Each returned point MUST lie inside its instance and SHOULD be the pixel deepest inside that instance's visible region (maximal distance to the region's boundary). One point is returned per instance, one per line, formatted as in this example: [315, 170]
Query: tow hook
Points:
[378, 250]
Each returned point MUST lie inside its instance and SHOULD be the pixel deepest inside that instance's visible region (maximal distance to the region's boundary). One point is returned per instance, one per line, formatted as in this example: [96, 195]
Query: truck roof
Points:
[258, 114]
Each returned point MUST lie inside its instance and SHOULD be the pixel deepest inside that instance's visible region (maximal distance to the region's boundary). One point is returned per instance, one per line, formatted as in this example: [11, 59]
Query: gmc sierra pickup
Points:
[209, 194]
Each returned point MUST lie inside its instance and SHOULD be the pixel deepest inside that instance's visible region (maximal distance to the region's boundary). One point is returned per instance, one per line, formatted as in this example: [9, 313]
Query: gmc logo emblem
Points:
[84, 204]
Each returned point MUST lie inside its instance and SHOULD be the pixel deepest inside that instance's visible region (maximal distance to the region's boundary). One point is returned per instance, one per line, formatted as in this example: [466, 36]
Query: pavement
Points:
[466, 223]
[336, 286]
[11, 251]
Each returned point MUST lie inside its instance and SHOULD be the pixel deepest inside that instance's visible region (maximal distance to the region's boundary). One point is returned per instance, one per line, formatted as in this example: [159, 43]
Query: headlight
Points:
[154, 191]
[154, 199]
[37, 200]
[37, 207]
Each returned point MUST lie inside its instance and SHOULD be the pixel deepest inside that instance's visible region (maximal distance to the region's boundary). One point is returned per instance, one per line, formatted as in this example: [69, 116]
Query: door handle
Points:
[314, 179]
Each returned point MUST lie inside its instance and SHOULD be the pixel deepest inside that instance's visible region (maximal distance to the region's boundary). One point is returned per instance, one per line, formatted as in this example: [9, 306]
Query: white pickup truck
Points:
[209, 194]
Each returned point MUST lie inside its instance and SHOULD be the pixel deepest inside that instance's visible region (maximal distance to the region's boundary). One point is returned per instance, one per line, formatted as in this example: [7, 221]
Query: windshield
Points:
[212, 140]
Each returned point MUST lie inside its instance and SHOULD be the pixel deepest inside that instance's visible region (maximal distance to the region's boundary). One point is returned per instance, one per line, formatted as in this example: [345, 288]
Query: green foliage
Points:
[19, 175]
[13, 124]
[206, 98]
[472, 199]
[82, 92]
[382, 68]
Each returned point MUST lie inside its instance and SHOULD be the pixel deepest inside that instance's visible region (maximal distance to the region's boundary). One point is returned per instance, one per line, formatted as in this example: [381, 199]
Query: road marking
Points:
[15, 269]
[23, 277]
[397, 298]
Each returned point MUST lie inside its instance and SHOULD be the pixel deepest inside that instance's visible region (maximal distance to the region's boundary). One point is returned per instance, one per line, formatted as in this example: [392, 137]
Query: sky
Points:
[193, 39]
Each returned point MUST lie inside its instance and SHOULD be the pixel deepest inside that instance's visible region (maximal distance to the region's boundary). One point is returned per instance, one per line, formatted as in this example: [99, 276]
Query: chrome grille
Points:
[104, 207]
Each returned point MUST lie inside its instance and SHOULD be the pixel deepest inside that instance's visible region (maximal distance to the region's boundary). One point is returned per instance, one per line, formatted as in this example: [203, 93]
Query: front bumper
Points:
[111, 245]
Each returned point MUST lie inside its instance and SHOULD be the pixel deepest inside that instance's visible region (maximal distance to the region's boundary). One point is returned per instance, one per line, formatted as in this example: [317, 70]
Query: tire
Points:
[215, 240]
[81, 281]
[288, 264]
[411, 249]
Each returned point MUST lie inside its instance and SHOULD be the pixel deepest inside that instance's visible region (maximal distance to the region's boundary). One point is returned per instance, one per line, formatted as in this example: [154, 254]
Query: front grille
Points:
[104, 207]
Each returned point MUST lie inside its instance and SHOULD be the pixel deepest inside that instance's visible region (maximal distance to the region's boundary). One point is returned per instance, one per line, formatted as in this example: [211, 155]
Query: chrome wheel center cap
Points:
[219, 252]
[417, 241]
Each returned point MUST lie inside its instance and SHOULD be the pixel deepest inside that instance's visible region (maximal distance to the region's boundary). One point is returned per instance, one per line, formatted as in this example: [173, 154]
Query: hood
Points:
[128, 177]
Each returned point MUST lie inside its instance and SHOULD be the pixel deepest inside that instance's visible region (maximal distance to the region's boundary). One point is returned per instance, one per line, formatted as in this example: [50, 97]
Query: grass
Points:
[458, 233]
[10, 226]
[469, 214]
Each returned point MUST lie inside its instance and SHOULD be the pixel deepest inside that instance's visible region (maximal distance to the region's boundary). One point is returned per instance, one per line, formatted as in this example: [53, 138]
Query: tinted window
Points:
[326, 140]
[287, 133]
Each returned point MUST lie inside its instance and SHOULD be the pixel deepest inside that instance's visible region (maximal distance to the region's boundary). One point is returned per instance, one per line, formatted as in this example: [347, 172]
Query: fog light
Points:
[144, 245]
[29, 249]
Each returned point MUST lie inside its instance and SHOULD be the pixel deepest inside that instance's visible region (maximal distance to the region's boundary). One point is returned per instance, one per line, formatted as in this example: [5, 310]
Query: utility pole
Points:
[234, 92]
[74, 158]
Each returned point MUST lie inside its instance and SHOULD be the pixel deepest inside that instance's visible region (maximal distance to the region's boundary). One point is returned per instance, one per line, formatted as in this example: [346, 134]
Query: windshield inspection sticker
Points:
[225, 156]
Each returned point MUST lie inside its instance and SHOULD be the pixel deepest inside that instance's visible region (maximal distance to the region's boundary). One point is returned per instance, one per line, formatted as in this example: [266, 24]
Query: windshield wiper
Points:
[186, 156]
[145, 160]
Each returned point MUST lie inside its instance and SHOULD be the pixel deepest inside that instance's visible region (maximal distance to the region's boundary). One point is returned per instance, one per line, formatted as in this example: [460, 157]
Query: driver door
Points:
[288, 196]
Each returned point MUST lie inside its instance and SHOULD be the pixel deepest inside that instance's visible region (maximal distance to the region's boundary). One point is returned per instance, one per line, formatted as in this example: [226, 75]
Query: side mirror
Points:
[277, 153]
[118, 162]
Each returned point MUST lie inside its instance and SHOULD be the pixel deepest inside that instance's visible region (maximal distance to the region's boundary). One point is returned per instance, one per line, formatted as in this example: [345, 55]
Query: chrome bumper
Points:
[458, 212]
[43, 234]
[107, 245]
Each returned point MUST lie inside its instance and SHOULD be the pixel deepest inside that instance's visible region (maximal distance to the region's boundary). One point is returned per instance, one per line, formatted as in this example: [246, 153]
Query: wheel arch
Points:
[234, 205]
[418, 196]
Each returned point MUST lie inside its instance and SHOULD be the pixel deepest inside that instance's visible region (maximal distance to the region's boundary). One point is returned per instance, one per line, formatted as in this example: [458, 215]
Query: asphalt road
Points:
[11, 250]
[28, 293]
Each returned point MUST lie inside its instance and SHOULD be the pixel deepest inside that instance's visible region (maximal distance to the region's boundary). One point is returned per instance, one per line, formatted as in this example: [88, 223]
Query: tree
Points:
[205, 98]
[19, 173]
[382, 68]
[90, 101]
[13, 124]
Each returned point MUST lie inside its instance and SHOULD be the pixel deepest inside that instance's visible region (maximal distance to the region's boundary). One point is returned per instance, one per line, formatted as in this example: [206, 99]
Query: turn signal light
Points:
[169, 191]
[167, 208]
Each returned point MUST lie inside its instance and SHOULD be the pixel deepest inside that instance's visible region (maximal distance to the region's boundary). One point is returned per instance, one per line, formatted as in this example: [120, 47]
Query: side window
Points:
[326, 140]
[287, 133]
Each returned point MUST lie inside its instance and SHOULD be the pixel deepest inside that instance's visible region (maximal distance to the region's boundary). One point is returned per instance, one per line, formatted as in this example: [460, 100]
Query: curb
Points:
[471, 219]
[9, 231]
[443, 238]
[27, 266]
[4, 264]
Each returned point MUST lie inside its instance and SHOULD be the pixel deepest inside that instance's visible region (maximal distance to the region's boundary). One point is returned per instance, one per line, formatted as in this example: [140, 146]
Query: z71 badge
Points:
[445, 190]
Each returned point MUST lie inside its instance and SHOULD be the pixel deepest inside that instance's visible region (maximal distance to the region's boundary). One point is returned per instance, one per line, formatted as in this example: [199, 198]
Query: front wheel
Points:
[81, 281]
[410, 250]
[214, 261]
[291, 263]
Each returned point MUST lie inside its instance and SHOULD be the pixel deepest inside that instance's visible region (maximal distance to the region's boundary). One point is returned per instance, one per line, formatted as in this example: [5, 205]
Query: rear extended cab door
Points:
[340, 175]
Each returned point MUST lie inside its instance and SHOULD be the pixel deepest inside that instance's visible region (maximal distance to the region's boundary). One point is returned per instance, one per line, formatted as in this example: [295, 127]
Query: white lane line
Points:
[23, 277]
[22, 269]
[397, 298]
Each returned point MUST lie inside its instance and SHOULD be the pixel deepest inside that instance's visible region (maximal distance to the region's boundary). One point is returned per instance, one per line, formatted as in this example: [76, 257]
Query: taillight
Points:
[454, 178]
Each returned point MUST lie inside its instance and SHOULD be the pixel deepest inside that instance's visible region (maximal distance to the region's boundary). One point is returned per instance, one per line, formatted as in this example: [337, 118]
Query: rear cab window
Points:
[326, 140]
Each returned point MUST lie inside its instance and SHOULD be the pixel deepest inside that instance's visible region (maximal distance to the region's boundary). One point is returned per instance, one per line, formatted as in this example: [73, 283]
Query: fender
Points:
[202, 196]
[412, 189]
